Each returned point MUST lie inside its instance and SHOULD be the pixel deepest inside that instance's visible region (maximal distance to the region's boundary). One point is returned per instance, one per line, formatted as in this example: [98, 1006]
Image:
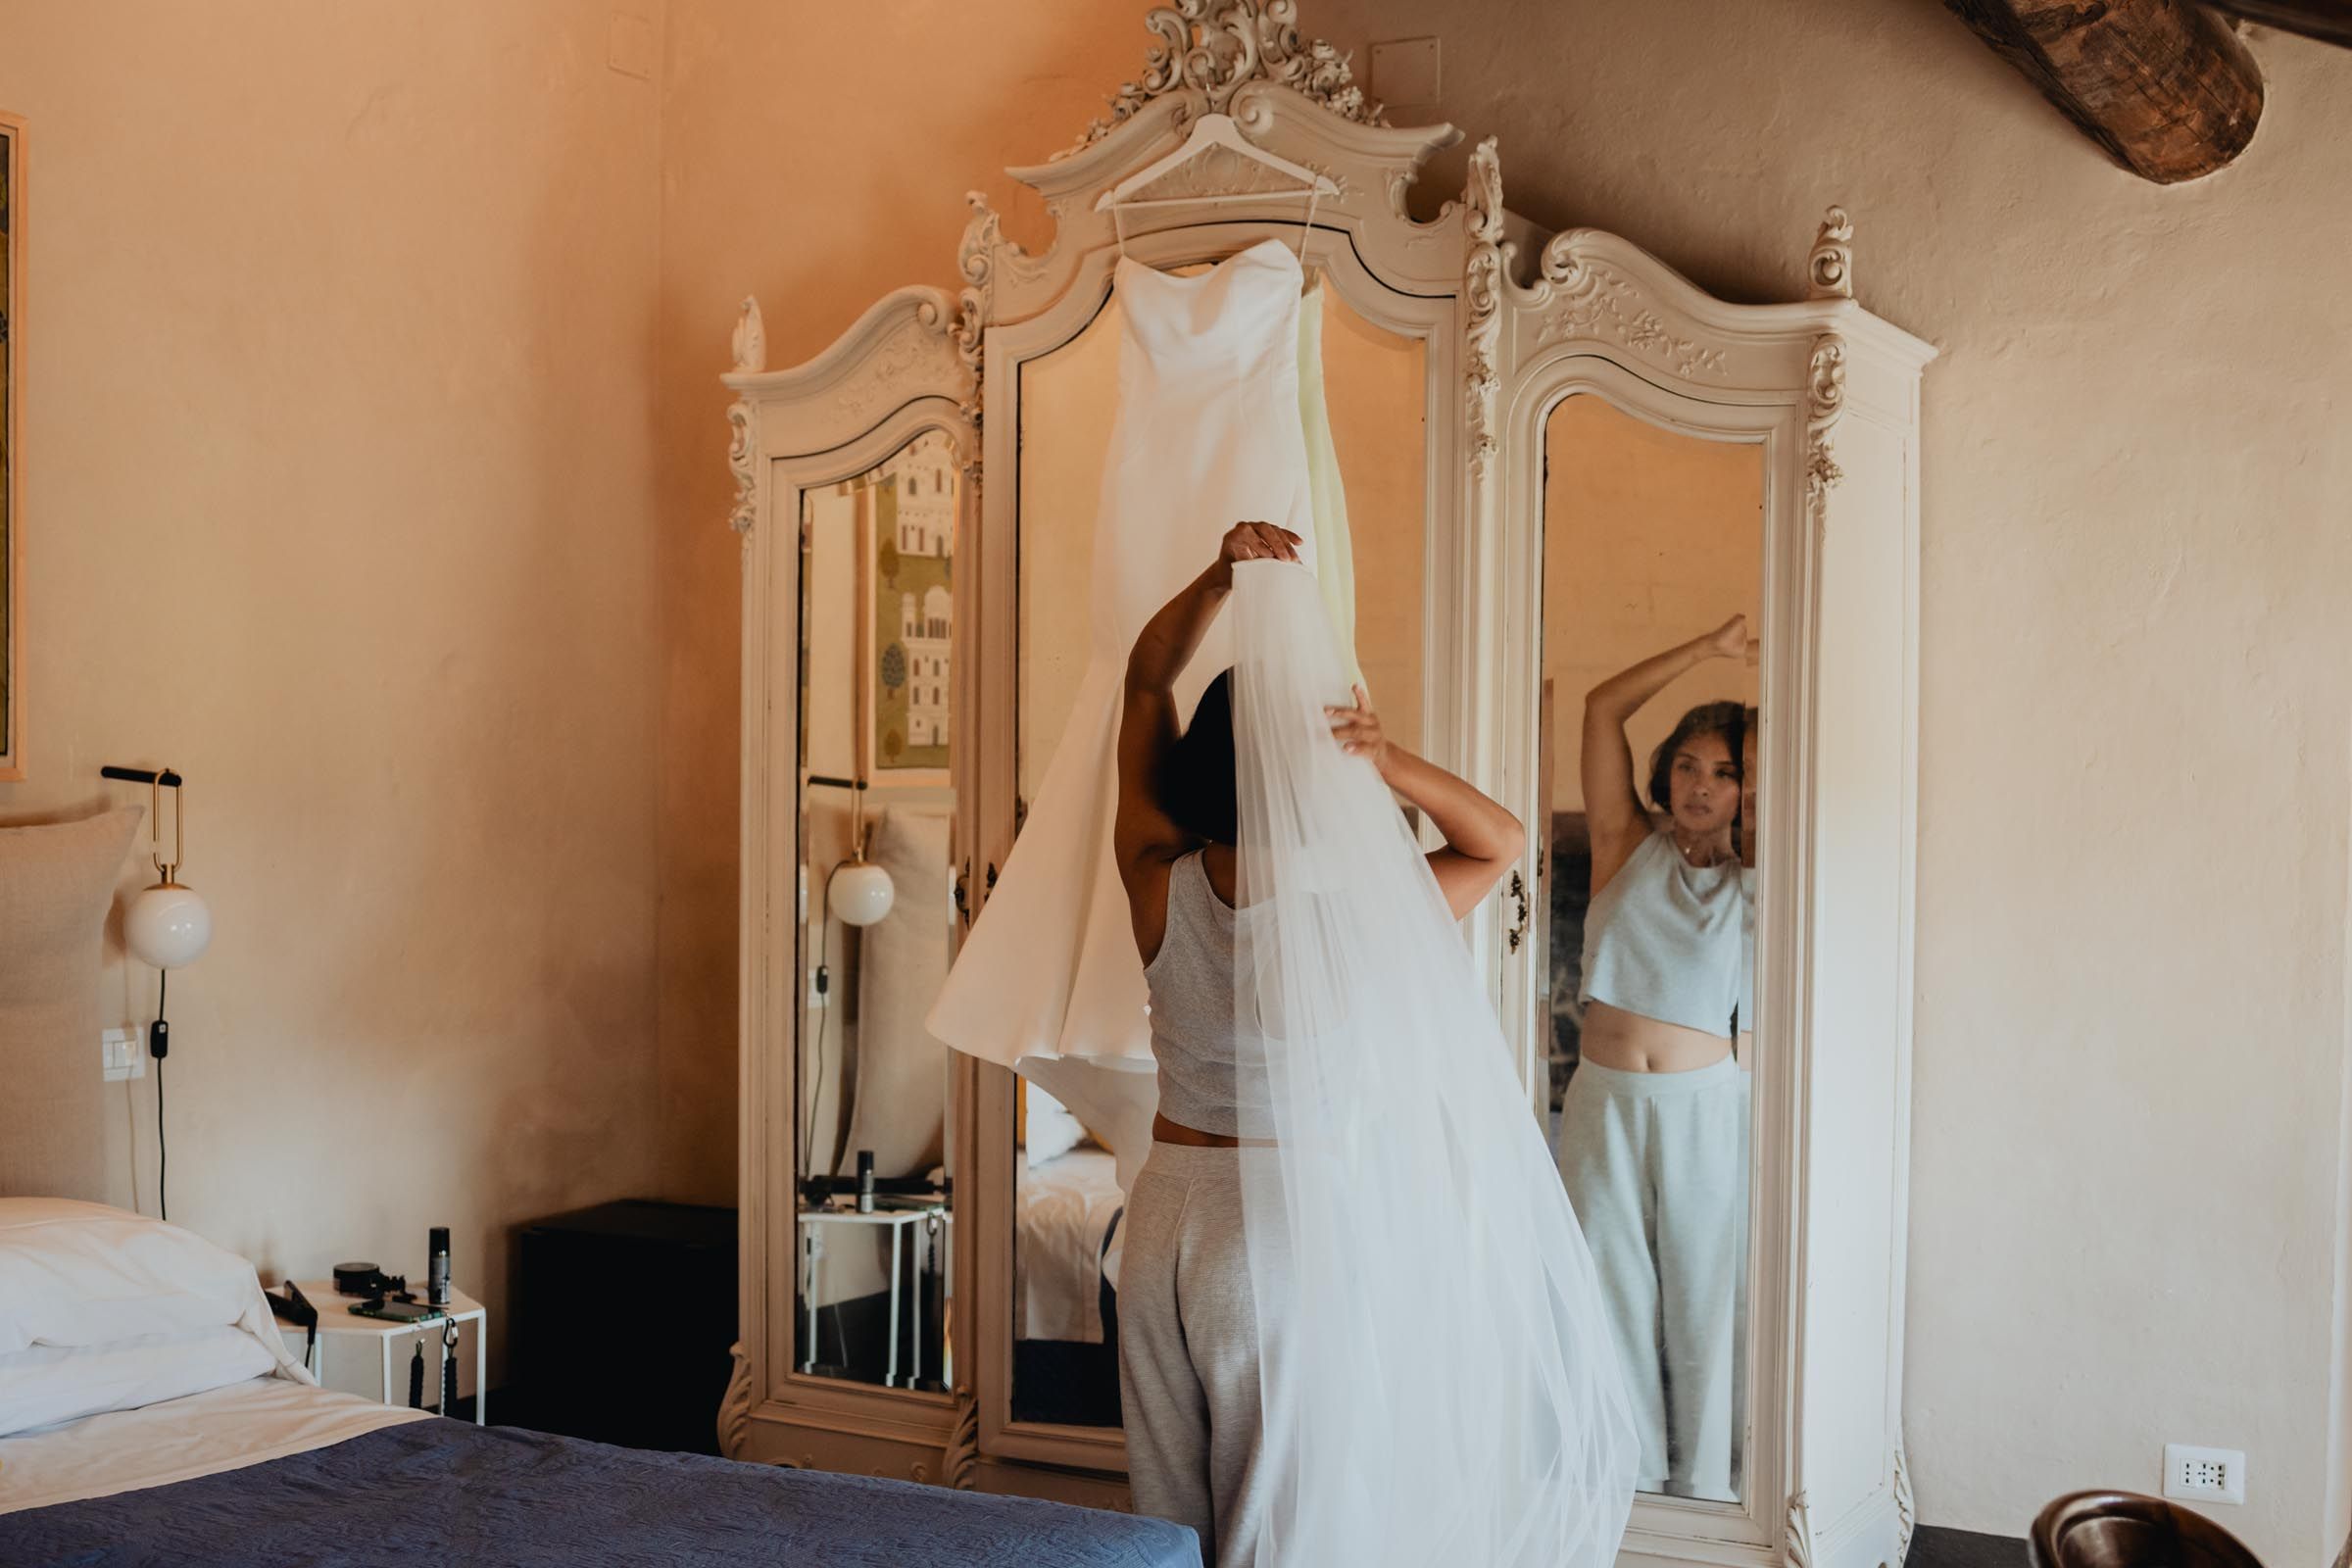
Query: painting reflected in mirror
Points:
[1653, 566]
[878, 728]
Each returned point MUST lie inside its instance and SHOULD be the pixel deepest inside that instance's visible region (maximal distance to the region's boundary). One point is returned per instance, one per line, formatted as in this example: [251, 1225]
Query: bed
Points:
[192, 1437]
[1068, 1213]
[1069, 1199]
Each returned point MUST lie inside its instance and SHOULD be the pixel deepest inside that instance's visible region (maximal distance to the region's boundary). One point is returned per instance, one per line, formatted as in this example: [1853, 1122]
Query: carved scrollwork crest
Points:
[740, 442]
[735, 1407]
[1832, 265]
[900, 355]
[959, 1463]
[751, 338]
[1798, 1545]
[1906, 1510]
[976, 261]
[1217, 47]
[1482, 296]
[1825, 400]
[1596, 300]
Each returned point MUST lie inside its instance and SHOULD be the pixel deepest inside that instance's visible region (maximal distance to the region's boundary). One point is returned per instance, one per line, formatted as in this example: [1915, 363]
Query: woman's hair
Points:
[1727, 719]
[1196, 783]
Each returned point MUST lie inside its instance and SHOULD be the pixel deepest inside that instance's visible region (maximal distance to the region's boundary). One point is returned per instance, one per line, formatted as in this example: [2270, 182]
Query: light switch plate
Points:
[120, 1056]
[1403, 72]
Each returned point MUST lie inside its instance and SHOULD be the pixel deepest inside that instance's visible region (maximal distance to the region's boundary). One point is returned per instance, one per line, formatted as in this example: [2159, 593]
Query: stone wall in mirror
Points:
[1082, 1129]
[1654, 556]
[877, 726]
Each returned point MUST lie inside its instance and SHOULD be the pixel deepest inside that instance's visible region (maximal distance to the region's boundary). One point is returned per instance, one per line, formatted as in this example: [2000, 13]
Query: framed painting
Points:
[12, 490]
[909, 609]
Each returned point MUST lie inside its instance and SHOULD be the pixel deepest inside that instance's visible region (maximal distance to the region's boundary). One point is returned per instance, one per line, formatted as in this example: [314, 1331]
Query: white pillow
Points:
[1053, 1131]
[154, 1307]
[46, 1385]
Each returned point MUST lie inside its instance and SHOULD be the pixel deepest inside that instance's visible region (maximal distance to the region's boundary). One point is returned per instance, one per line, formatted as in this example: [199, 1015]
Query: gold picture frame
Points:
[12, 487]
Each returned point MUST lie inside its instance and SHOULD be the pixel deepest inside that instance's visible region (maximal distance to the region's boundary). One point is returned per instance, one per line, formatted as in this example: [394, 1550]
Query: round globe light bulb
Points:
[167, 926]
[861, 893]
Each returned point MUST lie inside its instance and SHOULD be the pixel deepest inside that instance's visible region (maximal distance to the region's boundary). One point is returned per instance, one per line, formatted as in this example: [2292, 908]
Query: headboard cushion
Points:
[56, 881]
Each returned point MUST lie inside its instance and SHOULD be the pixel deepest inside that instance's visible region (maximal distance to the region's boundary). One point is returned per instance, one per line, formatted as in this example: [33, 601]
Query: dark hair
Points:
[1727, 719]
[1196, 783]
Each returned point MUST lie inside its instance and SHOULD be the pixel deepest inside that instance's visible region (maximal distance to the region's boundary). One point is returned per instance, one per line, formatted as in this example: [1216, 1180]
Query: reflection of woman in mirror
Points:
[1653, 1130]
[1187, 1334]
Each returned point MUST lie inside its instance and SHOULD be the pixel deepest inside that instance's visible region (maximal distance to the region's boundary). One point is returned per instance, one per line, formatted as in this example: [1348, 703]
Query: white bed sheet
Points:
[1063, 1214]
[179, 1439]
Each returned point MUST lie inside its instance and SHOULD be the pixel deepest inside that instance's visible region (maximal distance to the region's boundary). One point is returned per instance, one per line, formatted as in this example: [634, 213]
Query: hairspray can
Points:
[865, 1181]
[436, 1274]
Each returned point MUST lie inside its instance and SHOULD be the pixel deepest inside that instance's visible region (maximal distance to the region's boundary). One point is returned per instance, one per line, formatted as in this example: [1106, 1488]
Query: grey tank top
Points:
[1193, 1031]
[1669, 939]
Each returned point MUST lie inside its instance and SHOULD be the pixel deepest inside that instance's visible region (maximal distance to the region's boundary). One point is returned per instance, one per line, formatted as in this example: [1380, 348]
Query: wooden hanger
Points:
[1211, 131]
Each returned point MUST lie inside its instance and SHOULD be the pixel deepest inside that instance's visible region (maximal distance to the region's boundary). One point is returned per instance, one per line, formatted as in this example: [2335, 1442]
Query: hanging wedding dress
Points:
[1436, 1363]
[1208, 432]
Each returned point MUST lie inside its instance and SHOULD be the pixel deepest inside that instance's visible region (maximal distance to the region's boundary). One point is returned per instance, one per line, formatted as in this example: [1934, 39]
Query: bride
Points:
[1358, 1323]
[1263, 953]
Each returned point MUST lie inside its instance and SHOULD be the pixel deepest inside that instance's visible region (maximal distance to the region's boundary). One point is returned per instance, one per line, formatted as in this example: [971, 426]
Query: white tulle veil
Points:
[1438, 1372]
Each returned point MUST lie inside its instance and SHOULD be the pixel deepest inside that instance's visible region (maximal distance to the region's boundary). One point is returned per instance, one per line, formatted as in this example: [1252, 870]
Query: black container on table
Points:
[623, 1315]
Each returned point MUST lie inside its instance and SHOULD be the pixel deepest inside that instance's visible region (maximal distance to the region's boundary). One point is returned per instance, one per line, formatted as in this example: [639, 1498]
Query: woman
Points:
[1188, 1338]
[1654, 1131]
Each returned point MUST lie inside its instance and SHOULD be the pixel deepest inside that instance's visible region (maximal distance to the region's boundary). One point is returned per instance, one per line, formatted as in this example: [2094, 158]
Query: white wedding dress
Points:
[1438, 1372]
[1208, 434]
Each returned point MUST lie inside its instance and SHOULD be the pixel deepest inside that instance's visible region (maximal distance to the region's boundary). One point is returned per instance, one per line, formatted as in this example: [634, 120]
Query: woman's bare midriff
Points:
[1626, 1041]
[1164, 1131]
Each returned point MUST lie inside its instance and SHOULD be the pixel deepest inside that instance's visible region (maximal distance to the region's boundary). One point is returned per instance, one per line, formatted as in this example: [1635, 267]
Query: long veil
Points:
[1436, 1363]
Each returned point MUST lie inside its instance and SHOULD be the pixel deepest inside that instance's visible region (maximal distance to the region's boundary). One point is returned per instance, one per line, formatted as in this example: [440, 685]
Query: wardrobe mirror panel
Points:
[877, 727]
[1653, 557]
[1082, 1129]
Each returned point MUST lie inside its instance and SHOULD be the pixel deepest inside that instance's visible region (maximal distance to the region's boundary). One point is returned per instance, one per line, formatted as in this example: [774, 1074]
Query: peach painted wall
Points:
[338, 486]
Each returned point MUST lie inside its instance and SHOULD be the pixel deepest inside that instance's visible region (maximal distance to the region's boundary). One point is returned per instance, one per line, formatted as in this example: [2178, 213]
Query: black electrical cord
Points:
[163, 1156]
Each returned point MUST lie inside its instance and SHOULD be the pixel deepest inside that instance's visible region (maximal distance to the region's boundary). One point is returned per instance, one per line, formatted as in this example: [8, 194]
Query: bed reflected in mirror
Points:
[875, 1225]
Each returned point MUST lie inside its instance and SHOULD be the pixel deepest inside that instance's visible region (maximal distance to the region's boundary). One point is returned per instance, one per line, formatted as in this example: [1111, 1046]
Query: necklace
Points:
[1684, 850]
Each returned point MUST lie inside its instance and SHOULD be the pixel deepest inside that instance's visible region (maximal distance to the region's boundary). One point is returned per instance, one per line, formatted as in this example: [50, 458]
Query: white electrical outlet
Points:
[120, 1056]
[2204, 1475]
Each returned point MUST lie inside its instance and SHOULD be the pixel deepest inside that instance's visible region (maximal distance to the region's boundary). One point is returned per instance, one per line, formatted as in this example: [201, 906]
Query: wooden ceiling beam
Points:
[2164, 85]
[2330, 21]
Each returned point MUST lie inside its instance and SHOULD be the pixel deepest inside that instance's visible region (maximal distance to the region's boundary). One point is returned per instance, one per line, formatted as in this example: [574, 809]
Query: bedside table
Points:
[337, 1320]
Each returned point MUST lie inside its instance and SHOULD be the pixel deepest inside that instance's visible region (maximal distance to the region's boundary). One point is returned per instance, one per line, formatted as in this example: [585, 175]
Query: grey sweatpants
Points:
[1188, 1369]
[1656, 1168]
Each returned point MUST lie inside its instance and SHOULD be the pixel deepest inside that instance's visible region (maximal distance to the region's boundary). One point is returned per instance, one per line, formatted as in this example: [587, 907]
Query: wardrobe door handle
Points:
[1519, 926]
[963, 905]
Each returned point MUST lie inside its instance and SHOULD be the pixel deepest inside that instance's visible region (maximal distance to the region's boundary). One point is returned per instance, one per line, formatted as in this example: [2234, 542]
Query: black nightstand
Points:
[622, 1323]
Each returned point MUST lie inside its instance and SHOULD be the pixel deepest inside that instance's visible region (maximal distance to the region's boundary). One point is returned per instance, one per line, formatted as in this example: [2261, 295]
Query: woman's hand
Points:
[1358, 732]
[1731, 640]
[1256, 541]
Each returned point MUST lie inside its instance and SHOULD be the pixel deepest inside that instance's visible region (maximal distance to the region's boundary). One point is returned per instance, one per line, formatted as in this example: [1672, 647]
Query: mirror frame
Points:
[898, 373]
[1599, 316]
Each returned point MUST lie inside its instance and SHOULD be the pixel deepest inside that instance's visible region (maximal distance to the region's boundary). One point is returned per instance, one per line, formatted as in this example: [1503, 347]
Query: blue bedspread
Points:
[447, 1493]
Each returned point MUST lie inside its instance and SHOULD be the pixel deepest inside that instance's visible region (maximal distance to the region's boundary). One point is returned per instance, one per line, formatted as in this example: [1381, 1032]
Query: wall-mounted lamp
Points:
[166, 927]
[856, 891]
